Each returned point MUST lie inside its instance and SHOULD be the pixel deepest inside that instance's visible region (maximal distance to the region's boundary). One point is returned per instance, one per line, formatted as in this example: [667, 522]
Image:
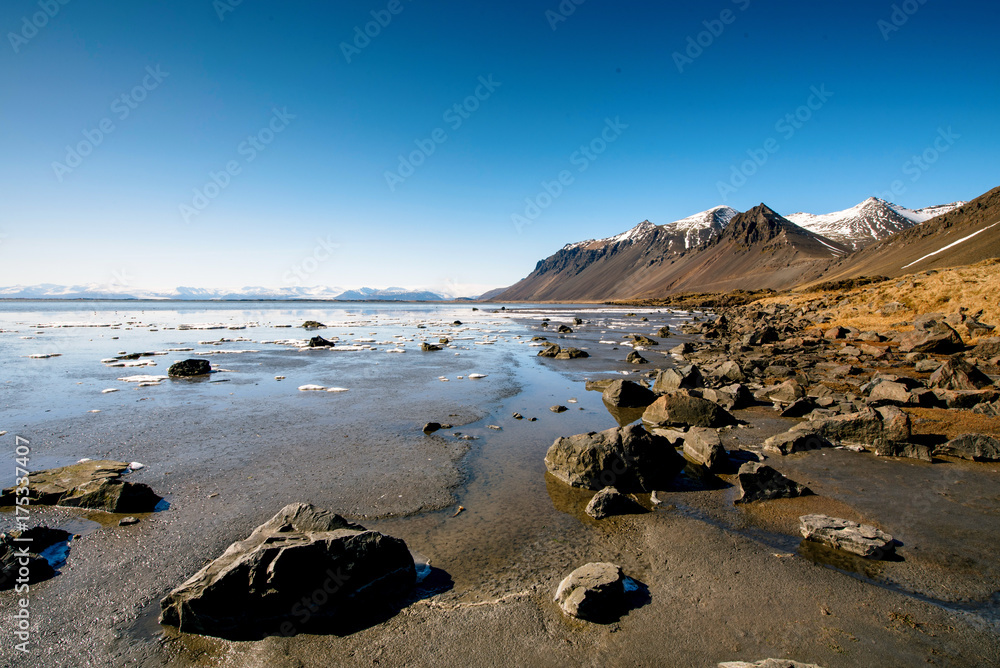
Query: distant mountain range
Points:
[97, 291]
[721, 249]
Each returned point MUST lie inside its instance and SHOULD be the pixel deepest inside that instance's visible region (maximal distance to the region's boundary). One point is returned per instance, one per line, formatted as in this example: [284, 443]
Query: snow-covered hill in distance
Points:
[98, 291]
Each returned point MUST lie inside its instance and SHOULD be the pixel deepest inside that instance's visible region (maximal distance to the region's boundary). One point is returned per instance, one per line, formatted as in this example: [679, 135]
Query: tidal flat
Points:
[229, 450]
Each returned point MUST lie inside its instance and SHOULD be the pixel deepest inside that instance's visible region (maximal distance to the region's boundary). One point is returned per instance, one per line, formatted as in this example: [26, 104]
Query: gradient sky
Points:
[319, 189]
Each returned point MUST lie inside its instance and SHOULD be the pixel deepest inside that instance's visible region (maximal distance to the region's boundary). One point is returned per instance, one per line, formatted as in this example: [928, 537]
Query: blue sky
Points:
[303, 134]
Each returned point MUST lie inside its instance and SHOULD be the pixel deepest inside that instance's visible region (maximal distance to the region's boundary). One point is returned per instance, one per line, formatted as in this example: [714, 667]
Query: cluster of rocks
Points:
[558, 352]
[850, 386]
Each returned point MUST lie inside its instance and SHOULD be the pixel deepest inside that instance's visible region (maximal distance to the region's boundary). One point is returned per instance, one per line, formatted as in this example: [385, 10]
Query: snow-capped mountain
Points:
[687, 232]
[98, 291]
[867, 222]
[701, 227]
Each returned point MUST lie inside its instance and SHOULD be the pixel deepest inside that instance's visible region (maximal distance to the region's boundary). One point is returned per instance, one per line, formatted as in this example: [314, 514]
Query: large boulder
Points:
[595, 592]
[609, 501]
[627, 394]
[889, 393]
[704, 446]
[89, 484]
[957, 374]
[303, 565]
[677, 409]
[759, 482]
[861, 539]
[977, 447]
[935, 337]
[729, 371]
[635, 358]
[571, 354]
[630, 458]
[188, 368]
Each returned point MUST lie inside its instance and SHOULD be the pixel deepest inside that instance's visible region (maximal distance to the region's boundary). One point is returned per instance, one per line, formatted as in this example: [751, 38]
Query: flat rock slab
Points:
[93, 484]
[595, 592]
[977, 447]
[258, 585]
[861, 539]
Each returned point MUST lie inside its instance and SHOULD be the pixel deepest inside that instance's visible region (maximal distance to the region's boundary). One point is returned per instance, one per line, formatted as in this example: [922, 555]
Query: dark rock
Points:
[677, 409]
[964, 399]
[577, 321]
[258, 584]
[91, 484]
[977, 447]
[635, 358]
[564, 329]
[429, 347]
[550, 351]
[786, 393]
[192, 367]
[571, 354]
[627, 394]
[432, 427]
[926, 365]
[799, 408]
[558, 409]
[835, 333]
[21, 549]
[759, 482]
[704, 446]
[957, 374]
[629, 458]
[987, 348]
[595, 592]
[609, 501]
[682, 349]
[861, 539]
[664, 332]
[320, 342]
[312, 324]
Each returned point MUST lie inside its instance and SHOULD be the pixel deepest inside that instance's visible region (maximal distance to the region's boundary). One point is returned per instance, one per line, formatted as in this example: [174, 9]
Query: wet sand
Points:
[724, 583]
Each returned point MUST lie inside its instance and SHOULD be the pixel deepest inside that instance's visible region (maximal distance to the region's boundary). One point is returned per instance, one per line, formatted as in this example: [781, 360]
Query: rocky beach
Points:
[728, 437]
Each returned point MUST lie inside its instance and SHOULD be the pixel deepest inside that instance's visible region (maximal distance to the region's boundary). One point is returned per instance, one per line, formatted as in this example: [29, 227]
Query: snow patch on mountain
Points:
[695, 230]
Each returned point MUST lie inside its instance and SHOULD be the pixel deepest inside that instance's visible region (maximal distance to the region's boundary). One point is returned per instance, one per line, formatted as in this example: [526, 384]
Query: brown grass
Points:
[975, 287]
[952, 423]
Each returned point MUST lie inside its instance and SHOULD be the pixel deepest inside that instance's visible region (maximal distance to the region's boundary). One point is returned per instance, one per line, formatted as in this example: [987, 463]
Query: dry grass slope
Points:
[891, 303]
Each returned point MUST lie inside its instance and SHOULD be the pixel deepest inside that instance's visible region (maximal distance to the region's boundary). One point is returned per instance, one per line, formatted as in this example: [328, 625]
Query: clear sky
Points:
[115, 116]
